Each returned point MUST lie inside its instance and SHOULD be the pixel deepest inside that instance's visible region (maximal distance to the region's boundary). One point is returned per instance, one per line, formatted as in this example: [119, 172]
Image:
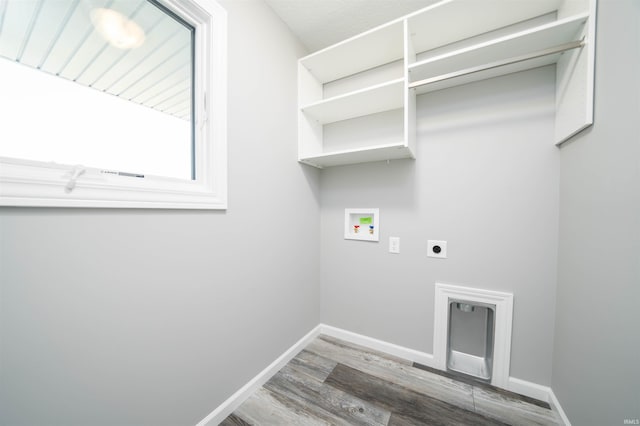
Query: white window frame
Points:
[36, 183]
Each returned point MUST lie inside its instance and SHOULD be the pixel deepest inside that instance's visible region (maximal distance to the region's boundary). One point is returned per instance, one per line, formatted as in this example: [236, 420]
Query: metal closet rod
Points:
[539, 54]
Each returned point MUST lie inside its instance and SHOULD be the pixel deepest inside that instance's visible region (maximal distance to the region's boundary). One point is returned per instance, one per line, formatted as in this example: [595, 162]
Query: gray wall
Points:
[486, 181]
[134, 317]
[596, 375]
[156, 317]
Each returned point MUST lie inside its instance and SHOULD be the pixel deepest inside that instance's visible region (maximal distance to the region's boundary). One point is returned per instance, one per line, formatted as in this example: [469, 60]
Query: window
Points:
[112, 103]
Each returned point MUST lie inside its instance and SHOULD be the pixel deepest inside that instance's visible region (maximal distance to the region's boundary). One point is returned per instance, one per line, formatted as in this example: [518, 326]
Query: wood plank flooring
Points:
[332, 382]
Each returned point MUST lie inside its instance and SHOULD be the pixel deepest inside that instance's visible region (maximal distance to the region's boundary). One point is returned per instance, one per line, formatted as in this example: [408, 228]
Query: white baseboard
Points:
[523, 387]
[555, 404]
[542, 393]
[379, 345]
[235, 400]
[532, 390]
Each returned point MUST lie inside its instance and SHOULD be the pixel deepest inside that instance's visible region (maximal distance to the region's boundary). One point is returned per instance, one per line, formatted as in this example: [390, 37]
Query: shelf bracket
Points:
[541, 53]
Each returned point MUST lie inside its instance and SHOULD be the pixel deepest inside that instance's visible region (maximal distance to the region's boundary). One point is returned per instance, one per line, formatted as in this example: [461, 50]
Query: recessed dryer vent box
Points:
[362, 224]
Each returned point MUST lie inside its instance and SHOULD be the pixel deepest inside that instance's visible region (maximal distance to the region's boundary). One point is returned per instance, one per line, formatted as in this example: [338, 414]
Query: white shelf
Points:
[512, 46]
[376, 47]
[458, 42]
[362, 155]
[481, 73]
[379, 98]
[450, 21]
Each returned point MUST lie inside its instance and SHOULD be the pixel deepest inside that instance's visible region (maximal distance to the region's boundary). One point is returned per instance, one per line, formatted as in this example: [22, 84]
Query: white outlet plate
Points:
[394, 244]
[437, 248]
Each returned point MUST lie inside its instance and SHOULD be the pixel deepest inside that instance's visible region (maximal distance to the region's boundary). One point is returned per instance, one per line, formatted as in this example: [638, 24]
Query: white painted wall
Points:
[486, 181]
[596, 375]
[123, 317]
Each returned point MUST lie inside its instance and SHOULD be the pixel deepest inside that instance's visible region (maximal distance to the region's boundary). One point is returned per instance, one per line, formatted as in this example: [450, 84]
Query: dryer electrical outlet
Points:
[436, 248]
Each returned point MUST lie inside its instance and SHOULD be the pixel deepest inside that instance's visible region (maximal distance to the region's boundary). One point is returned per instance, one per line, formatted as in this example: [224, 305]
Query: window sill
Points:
[36, 184]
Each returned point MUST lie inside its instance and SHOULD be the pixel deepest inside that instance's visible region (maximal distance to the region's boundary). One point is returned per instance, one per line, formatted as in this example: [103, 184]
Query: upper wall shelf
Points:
[371, 100]
[543, 43]
[353, 107]
[395, 151]
[362, 52]
[451, 21]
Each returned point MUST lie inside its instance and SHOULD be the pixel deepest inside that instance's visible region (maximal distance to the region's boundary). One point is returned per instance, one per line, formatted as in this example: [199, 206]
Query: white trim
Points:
[503, 326]
[555, 405]
[540, 392]
[532, 390]
[36, 183]
[379, 345]
[235, 400]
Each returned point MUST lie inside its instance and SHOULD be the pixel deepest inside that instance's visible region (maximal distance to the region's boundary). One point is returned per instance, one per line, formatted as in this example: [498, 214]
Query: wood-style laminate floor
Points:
[332, 382]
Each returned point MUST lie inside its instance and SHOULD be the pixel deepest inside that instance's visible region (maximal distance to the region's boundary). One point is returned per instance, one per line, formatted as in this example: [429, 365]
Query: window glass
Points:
[101, 83]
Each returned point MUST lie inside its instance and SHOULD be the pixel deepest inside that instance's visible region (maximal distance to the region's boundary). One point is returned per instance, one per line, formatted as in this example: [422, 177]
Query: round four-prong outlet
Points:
[437, 248]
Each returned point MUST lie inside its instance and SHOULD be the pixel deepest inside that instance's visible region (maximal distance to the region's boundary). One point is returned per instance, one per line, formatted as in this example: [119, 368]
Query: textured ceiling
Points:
[321, 23]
